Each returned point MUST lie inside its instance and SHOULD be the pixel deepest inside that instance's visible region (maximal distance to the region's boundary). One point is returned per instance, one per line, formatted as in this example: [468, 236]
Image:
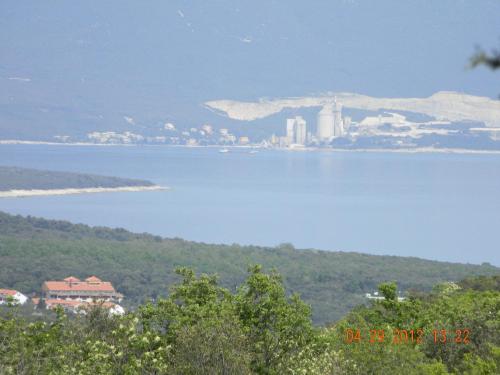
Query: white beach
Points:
[43, 192]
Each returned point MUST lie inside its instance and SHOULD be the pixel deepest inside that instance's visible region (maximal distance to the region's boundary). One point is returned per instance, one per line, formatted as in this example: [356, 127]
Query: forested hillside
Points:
[14, 178]
[141, 266]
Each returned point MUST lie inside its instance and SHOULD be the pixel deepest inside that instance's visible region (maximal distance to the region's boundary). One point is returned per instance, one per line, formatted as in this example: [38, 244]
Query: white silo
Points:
[326, 121]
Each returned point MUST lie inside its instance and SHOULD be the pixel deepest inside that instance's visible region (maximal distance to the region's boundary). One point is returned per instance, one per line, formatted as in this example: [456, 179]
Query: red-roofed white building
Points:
[73, 289]
[17, 297]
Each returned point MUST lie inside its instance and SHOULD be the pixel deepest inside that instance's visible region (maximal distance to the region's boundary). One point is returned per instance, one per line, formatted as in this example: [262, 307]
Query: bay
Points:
[429, 205]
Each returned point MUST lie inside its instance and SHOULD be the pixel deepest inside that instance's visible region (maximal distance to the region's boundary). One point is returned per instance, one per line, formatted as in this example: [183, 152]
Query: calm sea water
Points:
[435, 206]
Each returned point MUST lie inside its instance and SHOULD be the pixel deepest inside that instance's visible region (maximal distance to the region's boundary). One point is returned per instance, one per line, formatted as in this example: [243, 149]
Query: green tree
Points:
[211, 346]
[389, 291]
[278, 327]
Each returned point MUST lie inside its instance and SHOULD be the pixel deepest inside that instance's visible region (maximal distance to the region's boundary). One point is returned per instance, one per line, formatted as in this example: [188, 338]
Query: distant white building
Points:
[378, 297]
[115, 138]
[160, 139]
[326, 121]
[290, 131]
[394, 119]
[338, 125]
[169, 126]
[283, 142]
[207, 129]
[17, 297]
[77, 296]
[330, 123]
[274, 140]
[300, 131]
[296, 131]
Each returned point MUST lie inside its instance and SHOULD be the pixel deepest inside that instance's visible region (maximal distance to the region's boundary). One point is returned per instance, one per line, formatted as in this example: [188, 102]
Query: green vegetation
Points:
[454, 329]
[14, 178]
[203, 328]
[141, 266]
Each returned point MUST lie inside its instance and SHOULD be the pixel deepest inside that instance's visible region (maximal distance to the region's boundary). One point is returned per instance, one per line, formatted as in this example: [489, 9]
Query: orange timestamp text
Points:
[406, 336]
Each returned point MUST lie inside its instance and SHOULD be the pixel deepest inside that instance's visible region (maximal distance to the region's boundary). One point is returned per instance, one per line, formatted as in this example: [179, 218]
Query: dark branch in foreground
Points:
[490, 60]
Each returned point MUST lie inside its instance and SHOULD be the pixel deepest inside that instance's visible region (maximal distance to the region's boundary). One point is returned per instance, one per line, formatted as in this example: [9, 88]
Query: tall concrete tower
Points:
[326, 122]
[296, 131]
[300, 130]
[338, 129]
[290, 130]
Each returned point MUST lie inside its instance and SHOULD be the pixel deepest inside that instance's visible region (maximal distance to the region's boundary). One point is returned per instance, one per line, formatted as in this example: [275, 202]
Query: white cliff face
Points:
[444, 105]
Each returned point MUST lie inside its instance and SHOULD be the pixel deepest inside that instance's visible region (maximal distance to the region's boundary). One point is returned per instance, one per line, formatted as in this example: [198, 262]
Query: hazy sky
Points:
[246, 49]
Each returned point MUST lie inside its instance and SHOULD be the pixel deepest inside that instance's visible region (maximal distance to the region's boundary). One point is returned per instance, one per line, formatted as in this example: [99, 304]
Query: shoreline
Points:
[419, 150]
[71, 191]
[416, 150]
[46, 143]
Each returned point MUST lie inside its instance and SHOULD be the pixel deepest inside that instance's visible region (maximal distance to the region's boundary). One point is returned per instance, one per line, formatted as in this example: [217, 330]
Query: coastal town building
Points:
[226, 137]
[16, 297]
[115, 138]
[378, 297]
[338, 127]
[300, 131]
[296, 131]
[169, 126]
[290, 130]
[283, 142]
[208, 129]
[73, 294]
[72, 288]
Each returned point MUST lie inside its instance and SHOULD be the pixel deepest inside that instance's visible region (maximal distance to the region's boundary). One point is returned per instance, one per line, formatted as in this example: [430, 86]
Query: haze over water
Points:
[434, 206]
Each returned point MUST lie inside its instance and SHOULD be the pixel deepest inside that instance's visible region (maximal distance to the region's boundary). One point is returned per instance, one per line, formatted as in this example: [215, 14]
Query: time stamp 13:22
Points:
[406, 336]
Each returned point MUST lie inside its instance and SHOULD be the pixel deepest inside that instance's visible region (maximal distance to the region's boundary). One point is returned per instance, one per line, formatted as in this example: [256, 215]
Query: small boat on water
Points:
[223, 150]
[253, 151]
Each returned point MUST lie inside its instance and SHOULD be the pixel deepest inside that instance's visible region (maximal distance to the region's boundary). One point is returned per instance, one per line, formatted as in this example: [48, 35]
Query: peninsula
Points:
[23, 182]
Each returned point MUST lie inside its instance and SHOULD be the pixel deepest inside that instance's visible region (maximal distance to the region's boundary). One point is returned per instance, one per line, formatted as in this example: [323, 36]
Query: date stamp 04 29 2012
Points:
[407, 336]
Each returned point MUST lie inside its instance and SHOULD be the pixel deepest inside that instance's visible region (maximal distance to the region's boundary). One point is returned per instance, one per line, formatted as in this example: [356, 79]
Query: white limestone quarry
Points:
[444, 106]
[43, 192]
[370, 126]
